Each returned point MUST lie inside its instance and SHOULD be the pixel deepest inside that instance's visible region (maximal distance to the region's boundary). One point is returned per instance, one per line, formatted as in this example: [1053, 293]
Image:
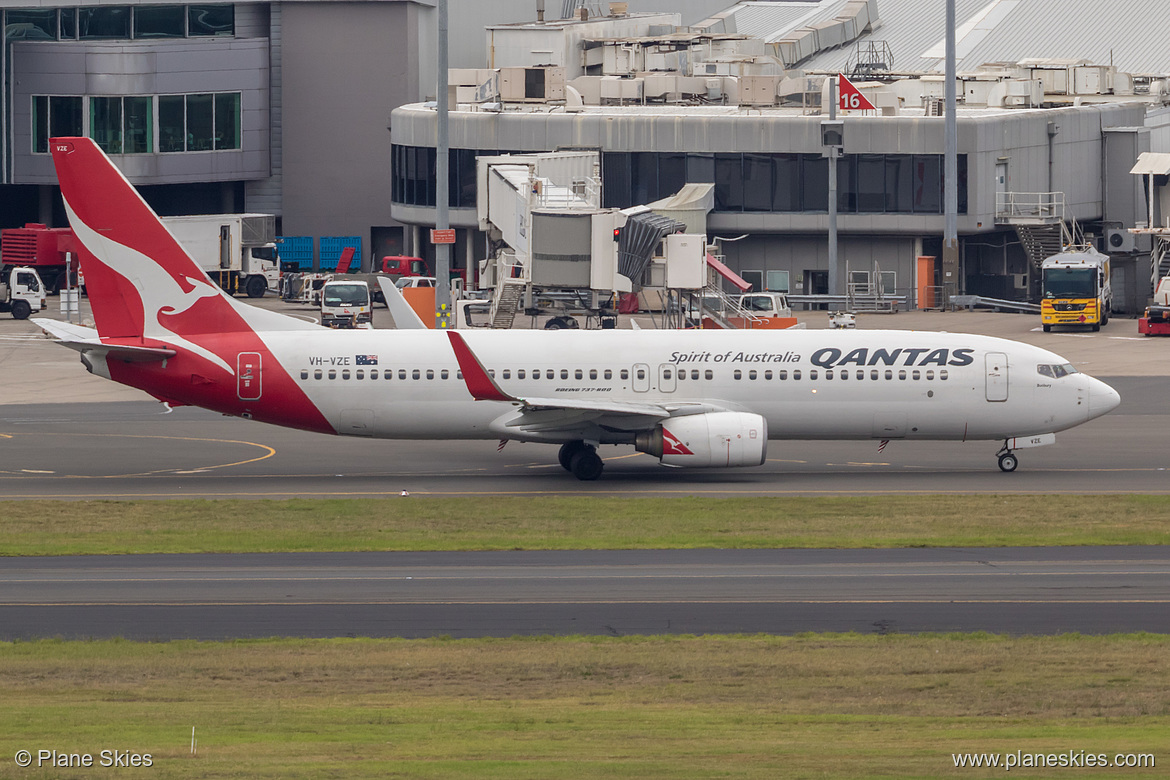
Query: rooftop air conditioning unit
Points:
[1120, 240]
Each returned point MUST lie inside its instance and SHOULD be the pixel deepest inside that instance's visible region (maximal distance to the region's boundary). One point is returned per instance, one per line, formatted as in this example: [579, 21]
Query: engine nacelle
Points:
[712, 440]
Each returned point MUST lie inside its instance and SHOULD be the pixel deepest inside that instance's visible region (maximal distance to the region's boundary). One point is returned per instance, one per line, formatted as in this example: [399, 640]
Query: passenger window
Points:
[641, 373]
[444, 374]
[430, 373]
[860, 374]
[902, 374]
[829, 374]
[709, 374]
[492, 373]
[682, 374]
[564, 373]
[796, 375]
[942, 374]
[317, 374]
[695, 373]
[889, 374]
[332, 374]
[305, 374]
[459, 375]
[768, 375]
[402, 373]
[873, 374]
[593, 373]
[738, 374]
[812, 374]
[416, 374]
[608, 374]
[345, 374]
[507, 373]
[782, 375]
[916, 375]
[930, 374]
[359, 374]
[667, 373]
[374, 374]
[625, 373]
[751, 375]
[844, 374]
[519, 373]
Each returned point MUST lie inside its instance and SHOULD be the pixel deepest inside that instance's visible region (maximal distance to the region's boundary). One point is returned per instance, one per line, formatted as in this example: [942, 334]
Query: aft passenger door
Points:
[248, 376]
[997, 376]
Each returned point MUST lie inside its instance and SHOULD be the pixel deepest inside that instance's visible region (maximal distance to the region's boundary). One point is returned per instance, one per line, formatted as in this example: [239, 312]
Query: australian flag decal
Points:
[365, 360]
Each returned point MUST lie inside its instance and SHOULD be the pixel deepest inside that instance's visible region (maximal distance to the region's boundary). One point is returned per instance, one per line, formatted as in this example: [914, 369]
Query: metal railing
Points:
[1031, 206]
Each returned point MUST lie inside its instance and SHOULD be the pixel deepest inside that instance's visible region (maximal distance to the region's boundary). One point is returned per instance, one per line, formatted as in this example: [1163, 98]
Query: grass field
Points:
[677, 707]
[94, 527]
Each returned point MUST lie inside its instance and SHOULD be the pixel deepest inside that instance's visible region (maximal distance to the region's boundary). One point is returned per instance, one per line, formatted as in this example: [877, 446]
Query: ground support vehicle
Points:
[21, 292]
[1156, 321]
[1076, 289]
[346, 304]
[42, 248]
[238, 251]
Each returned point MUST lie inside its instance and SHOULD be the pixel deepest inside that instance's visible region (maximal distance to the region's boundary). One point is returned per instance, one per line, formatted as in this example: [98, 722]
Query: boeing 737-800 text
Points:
[689, 398]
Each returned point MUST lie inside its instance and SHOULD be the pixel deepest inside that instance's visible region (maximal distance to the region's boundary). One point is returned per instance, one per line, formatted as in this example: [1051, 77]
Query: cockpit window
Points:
[1057, 371]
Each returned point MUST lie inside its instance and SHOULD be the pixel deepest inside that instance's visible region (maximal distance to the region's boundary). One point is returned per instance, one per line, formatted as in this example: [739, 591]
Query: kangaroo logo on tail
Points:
[147, 293]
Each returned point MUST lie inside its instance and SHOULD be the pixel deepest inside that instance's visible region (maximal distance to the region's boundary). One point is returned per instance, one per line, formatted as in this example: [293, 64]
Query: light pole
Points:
[950, 258]
[442, 195]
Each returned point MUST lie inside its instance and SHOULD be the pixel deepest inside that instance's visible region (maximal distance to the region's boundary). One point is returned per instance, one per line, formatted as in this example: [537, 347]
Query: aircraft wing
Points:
[85, 339]
[560, 414]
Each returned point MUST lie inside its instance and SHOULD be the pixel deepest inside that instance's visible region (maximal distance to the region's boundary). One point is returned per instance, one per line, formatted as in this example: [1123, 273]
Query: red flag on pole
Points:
[851, 97]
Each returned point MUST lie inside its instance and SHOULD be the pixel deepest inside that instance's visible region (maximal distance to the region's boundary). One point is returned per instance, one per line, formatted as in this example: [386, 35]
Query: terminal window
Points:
[107, 22]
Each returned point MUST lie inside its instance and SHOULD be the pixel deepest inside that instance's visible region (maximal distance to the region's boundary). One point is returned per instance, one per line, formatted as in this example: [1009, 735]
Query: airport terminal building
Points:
[1041, 142]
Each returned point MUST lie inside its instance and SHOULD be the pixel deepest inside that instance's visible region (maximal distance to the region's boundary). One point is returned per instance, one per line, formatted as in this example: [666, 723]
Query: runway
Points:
[1013, 590]
[128, 450]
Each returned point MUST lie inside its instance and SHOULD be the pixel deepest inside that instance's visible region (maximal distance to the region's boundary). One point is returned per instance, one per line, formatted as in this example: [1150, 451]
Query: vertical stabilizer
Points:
[140, 280]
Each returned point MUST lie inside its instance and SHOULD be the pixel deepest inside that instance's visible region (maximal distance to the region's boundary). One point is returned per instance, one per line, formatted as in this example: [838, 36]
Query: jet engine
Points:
[712, 440]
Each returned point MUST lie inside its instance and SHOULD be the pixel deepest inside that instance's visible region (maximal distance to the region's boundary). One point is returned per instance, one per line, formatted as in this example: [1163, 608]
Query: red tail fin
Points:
[140, 280]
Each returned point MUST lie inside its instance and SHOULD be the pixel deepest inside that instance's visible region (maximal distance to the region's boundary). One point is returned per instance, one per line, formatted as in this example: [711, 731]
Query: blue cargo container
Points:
[332, 246]
[296, 249]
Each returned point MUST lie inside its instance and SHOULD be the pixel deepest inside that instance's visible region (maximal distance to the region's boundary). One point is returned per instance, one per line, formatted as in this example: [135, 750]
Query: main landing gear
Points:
[581, 459]
[1007, 459]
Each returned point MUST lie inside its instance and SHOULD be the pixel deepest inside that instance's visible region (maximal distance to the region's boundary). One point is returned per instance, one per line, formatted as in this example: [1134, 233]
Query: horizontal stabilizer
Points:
[86, 340]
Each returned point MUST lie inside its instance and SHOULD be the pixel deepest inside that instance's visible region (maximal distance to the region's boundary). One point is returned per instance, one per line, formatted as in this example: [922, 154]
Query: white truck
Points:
[21, 292]
[346, 304]
[236, 250]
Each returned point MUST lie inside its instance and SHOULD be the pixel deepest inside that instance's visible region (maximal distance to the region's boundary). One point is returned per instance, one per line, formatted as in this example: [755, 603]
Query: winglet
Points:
[479, 383]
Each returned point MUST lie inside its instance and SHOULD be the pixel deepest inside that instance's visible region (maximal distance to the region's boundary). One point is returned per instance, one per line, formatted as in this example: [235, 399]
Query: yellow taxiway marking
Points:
[268, 453]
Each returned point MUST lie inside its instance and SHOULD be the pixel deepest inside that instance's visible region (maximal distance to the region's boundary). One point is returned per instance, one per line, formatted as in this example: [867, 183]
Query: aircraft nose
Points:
[1103, 399]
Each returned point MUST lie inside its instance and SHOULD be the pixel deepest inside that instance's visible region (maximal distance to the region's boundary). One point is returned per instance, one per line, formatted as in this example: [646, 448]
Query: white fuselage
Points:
[807, 384]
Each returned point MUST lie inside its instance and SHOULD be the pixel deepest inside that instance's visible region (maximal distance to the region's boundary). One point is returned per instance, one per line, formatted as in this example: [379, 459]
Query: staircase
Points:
[506, 302]
[1041, 241]
[718, 306]
[1159, 262]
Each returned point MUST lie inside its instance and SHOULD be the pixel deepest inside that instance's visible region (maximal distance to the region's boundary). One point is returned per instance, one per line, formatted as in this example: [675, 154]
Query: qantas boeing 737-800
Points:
[689, 398]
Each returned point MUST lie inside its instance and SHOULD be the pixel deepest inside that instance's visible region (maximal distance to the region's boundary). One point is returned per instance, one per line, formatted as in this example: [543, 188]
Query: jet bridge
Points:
[551, 245]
